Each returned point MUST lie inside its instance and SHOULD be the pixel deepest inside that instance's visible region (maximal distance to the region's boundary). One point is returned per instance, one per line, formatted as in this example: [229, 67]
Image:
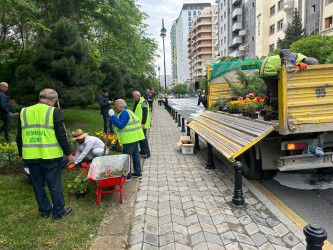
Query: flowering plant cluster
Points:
[112, 173]
[250, 104]
[77, 184]
[112, 138]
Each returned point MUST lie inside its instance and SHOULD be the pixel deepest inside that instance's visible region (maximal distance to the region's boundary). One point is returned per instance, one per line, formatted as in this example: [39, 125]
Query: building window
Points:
[189, 13]
[271, 48]
[280, 5]
[225, 52]
[189, 18]
[225, 14]
[328, 22]
[225, 40]
[280, 25]
[272, 10]
[225, 27]
[272, 29]
[313, 8]
[224, 3]
[189, 24]
[253, 39]
[194, 13]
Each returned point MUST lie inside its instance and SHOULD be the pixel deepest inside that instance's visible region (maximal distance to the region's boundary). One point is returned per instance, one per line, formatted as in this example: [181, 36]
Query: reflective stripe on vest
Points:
[138, 112]
[132, 132]
[38, 136]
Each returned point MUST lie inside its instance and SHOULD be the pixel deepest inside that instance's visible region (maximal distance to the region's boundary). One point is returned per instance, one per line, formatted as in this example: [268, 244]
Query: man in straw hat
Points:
[129, 131]
[42, 142]
[88, 146]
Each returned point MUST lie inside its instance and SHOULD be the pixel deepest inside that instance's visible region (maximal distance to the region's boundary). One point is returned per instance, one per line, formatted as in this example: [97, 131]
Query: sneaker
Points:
[145, 156]
[129, 178]
[137, 175]
[66, 212]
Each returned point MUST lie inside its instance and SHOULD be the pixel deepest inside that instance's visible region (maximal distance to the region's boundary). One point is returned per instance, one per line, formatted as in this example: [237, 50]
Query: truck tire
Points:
[251, 166]
[325, 170]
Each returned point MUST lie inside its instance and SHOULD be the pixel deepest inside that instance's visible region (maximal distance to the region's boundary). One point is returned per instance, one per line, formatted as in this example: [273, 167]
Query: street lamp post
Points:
[163, 34]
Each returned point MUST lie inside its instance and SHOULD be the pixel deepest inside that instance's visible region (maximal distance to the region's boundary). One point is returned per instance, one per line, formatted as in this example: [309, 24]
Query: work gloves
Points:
[301, 65]
[111, 112]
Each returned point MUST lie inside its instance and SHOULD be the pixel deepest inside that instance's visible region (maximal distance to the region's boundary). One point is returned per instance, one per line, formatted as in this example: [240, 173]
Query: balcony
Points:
[236, 54]
[202, 38]
[237, 26]
[235, 2]
[236, 41]
[288, 5]
[242, 33]
[236, 12]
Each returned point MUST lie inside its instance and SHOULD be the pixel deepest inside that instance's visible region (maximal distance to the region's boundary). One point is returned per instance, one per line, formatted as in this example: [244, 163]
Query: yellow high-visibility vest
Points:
[38, 136]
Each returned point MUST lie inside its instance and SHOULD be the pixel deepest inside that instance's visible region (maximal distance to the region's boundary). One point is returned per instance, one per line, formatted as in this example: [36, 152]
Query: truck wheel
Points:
[325, 170]
[251, 166]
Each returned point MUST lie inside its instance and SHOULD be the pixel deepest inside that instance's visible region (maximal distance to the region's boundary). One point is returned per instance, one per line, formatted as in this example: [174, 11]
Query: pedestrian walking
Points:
[129, 132]
[105, 104]
[149, 98]
[159, 99]
[141, 109]
[6, 109]
[42, 142]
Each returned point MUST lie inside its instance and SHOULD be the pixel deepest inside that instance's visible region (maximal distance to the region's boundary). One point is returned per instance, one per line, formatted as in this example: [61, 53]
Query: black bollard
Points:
[183, 125]
[176, 117]
[196, 142]
[188, 130]
[210, 163]
[179, 124]
[314, 237]
[238, 199]
[172, 112]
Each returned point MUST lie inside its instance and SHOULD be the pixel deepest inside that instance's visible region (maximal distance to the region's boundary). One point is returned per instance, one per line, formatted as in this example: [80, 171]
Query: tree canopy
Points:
[294, 32]
[322, 51]
[104, 41]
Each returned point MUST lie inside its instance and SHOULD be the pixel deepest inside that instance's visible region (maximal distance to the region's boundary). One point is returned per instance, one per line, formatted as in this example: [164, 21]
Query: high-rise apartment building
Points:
[326, 22]
[252, 27]
[173, 39]
[183, 26]
[201, 42]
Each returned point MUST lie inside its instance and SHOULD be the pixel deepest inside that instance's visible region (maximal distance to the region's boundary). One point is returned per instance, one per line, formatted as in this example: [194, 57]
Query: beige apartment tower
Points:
[201, 42]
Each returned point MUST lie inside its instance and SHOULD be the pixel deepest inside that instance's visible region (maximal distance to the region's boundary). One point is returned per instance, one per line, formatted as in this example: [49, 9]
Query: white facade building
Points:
[183, 27]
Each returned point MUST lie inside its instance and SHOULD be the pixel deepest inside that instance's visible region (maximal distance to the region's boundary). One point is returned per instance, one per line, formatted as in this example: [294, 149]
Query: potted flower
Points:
[268, 109]
[252, 108]
[79, 187]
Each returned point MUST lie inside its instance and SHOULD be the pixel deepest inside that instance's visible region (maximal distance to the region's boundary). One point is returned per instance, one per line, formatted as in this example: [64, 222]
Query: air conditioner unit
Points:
[242, 47]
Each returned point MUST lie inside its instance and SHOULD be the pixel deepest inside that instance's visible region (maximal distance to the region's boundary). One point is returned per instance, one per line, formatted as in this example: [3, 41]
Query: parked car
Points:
[171, 97]
[181, 96]
[187, 96]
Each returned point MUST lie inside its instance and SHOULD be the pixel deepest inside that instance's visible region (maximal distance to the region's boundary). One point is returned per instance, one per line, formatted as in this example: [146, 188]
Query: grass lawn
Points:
[21, 225]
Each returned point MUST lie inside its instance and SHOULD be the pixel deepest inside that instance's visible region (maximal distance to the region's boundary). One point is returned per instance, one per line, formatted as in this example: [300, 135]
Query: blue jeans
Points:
[144, 146]
[106, 119]
[132, 150]
[51, 172]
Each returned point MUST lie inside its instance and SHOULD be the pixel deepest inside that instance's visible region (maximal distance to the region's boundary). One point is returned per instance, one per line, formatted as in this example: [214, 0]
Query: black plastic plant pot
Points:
[267, 117]
[254, 116]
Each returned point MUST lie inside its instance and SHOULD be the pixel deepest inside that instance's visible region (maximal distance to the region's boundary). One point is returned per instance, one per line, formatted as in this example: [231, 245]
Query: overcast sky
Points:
[169, 10]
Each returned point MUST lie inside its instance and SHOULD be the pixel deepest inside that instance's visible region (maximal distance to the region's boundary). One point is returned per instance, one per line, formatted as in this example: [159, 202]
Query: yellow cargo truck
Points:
[305, 109]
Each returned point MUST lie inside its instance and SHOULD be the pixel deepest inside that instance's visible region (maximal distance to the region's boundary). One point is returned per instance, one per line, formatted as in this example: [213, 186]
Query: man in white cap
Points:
[88, 146]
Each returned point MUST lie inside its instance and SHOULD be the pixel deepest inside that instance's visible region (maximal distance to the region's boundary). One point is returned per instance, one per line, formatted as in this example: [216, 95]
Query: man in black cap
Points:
[105, 104]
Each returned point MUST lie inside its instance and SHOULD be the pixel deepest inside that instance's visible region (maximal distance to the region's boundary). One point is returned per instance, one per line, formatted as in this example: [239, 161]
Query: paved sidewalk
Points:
[182, 205]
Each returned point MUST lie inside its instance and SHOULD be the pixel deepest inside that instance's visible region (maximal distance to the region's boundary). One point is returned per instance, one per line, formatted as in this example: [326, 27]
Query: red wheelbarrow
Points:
[98, 168]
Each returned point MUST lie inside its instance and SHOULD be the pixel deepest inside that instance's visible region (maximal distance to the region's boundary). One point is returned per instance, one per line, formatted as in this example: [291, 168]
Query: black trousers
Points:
[7, 120]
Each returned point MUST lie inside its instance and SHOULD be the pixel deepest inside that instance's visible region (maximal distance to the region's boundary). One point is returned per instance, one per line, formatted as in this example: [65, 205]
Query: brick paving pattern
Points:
[182, 205]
